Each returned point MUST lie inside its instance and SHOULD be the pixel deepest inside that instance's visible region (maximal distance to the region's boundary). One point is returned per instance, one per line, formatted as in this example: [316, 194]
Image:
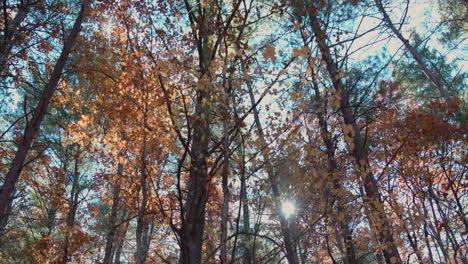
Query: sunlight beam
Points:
[288, 208]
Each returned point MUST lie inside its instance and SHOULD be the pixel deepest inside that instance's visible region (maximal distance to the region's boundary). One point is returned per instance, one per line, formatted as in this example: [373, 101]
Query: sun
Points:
[288, 208]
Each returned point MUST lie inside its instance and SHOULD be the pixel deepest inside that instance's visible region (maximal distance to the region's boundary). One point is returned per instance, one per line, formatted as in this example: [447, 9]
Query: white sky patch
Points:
[416, 21]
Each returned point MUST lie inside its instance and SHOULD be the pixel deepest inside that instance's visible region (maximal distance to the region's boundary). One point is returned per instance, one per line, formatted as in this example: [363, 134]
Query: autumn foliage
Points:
[209, 131]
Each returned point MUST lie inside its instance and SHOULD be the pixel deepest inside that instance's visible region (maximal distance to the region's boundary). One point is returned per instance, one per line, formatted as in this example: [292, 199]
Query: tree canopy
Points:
[233, 131]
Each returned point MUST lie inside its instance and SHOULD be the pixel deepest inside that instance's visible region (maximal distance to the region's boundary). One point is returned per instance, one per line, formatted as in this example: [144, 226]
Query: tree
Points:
[32, 128]
[206, 131]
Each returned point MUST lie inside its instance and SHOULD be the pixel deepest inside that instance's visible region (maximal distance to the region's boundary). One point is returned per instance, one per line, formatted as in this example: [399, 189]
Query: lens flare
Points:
[288, 208]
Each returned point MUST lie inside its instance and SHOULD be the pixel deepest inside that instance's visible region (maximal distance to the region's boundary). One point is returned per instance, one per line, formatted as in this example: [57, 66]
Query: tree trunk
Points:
[192, 231]
[147, 237]
[248, 253]
[8, 39]
[142, 224]
[193, 223]
[437, 238]
[345, 232]
[291, 253]
[71, 215]
[51, 219]
[427, 72]
[32, 128]
[122, 232]
[428, 244]
[113, 228]
[373, 198]
[4, 221]
[226, 194]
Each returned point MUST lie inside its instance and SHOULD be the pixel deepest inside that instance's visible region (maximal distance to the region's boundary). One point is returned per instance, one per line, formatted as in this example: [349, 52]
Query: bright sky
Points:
[422, 16]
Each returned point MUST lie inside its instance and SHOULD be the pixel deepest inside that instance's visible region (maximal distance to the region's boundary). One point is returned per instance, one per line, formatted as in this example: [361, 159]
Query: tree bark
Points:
[248, 253]
[226, 194]
[113, 228]
[373, 197]
[426, 71]
[32, 128]
[142, 222]
[122, 233]
[192, 231]
[193, 223]
[345, 232]
[289, 244]
[428, 244]
[4, 220]
[436, 237]
[71, 215]
[10, 33]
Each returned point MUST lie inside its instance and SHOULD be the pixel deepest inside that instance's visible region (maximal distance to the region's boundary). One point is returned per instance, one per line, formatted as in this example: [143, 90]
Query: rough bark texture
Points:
[372, 195]
[4, 220]
[32, 128]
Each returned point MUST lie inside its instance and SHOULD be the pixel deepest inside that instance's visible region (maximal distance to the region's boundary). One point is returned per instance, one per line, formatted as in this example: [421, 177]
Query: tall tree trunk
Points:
[248, 253]
[113, 228]
[445, 223]
[4, 222]
[430, 75]
[244, 244]
[32, 128]
[302, 252]
[226, 194]
[373, 198]
[289, 243]
[122, 233]
[142, 222]
[412, 239]
[340, 217]
[147, 237]
[192, 231]
[193, 223]
[71, 215]
[10, 33]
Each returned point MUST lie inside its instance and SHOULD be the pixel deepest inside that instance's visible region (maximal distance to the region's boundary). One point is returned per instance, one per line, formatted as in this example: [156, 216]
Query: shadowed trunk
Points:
[193, 223]
[113, 228]
[71, 215]
[345, 231]
[192, 231]
[122, 233]
[248, 254]
[4, 220]
[373, 197]
[289, 243]
[10, 33]
[32, 128]
[226, 194]
[142, 221]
